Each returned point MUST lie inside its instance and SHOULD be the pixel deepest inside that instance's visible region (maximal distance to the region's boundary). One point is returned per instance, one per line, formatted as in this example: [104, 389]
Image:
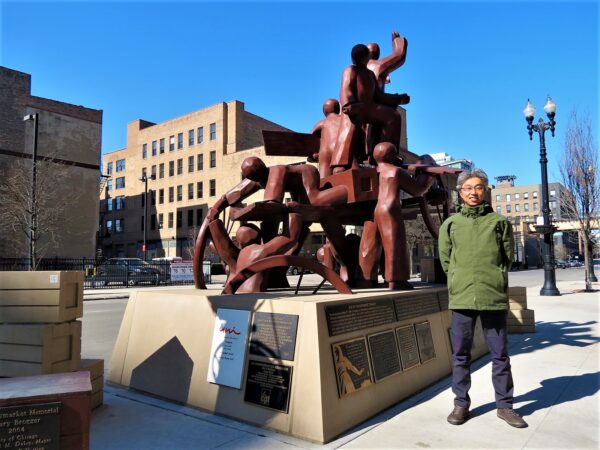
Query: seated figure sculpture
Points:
[327, 131]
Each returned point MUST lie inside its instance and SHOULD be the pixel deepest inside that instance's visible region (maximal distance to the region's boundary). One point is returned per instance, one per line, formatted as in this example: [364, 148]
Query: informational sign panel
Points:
[268, 385]
[228, 351]
[425, 341]
[384, 354]
[352, 368]
[30, 426]
[348, 317]
[407, 344]
[274, 335]
[182, 271]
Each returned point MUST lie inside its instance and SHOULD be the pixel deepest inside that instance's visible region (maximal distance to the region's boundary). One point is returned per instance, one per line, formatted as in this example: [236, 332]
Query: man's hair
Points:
[467, 174]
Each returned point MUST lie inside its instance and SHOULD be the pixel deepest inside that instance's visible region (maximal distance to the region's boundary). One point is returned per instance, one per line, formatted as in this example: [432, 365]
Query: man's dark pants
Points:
[494, 330]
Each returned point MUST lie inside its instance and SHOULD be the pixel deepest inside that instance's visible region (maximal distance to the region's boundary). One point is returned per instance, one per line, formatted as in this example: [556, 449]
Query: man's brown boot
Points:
[459, 415]
[510, 416]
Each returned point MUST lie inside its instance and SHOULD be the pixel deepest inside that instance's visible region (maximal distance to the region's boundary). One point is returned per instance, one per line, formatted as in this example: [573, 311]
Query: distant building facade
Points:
[69, 139]
[194, 159]
[444, 159]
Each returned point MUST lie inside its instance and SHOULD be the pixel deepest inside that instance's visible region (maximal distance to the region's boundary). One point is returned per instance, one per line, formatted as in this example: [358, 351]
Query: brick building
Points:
[69, 139]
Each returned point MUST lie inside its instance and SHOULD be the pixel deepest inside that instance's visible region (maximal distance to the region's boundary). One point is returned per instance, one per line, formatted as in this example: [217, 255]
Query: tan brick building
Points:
[68, 145]
[194, 159]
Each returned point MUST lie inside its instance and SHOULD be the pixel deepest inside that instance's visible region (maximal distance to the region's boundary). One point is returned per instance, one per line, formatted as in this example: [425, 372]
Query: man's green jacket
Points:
[476, 251]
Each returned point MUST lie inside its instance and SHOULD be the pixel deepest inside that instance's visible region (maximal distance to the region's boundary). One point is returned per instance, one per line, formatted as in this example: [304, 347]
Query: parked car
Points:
[560, 264]
[293, 270]
[574, 263]
[129, 271]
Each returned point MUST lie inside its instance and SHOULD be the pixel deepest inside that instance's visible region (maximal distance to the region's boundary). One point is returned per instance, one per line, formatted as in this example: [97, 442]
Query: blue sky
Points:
[470, 68]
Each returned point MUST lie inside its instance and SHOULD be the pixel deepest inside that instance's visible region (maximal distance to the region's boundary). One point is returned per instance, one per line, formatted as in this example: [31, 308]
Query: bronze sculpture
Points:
[359, 182]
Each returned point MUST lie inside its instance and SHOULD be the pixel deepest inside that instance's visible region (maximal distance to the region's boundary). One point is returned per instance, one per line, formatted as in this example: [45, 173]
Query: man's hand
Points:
[395, 35]
[403, 99]
[353, 109]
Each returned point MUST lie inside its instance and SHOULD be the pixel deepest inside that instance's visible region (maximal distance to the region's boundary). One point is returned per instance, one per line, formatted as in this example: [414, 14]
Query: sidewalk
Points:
[556, 390]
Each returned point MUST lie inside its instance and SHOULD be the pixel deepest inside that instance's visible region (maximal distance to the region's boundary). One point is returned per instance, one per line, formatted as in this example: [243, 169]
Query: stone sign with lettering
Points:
[30, 426]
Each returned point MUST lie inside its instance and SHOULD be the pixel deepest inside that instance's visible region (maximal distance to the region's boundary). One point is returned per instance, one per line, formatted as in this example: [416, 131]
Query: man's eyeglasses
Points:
[478, 188]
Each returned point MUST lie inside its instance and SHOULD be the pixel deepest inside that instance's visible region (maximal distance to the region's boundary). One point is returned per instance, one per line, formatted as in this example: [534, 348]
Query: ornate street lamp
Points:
[544, 227]
[144, 179]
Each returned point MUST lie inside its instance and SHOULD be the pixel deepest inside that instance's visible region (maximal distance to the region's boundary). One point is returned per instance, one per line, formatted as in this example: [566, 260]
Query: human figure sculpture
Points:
[327, 130]
[387, 229]
[383, 67]
[364, 102]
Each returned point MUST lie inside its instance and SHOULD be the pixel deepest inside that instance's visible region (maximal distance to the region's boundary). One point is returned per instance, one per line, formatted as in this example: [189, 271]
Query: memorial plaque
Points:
[274, 335]
[425, 341]
[30, 426]
[351, 362]
[407, 344]
[415, 305]
[384, 354]
[349, 317]
[268, 385]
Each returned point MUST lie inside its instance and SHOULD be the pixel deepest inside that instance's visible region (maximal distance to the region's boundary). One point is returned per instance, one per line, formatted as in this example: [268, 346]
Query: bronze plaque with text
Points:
[425, 341]
[415, 305]
[384, 354]
[349, 317]
[268, 385]
[351, 362]
[274, 335]
[30, 426]
[407, 343]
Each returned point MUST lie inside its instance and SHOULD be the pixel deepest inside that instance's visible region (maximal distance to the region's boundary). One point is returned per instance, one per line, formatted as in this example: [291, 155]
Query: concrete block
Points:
[36, 349]
[41, 297]
[96, 369]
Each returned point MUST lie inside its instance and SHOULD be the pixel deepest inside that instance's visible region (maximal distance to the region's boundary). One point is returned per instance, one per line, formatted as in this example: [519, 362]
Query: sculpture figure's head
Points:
[254, 169]
[331, 106]
[373, 50]
[360, 55]
[385, 152]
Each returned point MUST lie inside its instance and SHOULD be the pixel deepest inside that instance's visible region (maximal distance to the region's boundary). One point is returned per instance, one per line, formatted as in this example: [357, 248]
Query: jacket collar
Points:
[474, 211]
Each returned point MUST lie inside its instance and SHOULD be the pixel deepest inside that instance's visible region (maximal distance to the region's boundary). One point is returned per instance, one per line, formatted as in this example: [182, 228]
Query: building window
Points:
[171, 143]
[525, 206]
[517, 196]
[553, 204]
[120, 165]
[161, 196]
[190, 164]
[498, 198]
[144, 151]
[525, 195]
[508, 197]
[517, 207]
[552, 193]
[161, 170]
[171, 168]
[171, 194]
[508, 209]
[153, 222]
[109, 226]
[191, 137]
[179, 219]
[200, 135]
[160, 221]
[200, 162]
[499, 209]
[120, 183]
[153, 148]
[179, 193]
[190, 220]
[213, 159]
[142, 222]
[162, 145]
[198, 216]
[199, 189]
[179, 140]
[152, 197]
[109, 204]
[170, 220]
[534, 194]
[535, 206]
[109, 168]
[109, 186]
[190, 191]
[120, 202]
[143, 172]
[213, 131]
[119, 225]
[180, 166]
[153, 171]
[213, 188]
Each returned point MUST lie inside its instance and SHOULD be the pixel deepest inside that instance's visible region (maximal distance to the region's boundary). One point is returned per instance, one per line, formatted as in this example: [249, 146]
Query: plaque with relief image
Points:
[351, 363]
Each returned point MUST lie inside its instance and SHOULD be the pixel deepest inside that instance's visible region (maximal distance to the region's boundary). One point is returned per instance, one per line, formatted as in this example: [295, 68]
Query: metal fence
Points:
[116, 272]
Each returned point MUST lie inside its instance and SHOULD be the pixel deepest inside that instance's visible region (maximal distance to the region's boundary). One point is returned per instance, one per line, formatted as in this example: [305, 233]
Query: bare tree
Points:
[579, 173]
[417, 233]
[24, 218]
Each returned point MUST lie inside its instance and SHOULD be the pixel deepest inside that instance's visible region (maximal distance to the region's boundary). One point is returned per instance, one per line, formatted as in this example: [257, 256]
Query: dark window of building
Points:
[161, 196]
[180, 166]
[144, 151]
[179, 193]
[171, 168]
[200, 135]
[120, 165]
[162, 145]
[160, 220]
[517, 207]
[152, 197]
[498, 198]
[109, 186]
[171, 143]
[179, 140]
[120, 183]
[213, 159]
[499, 209]
[213, 131]
[109, 226]
[170, 220]
[200, 162]
[109, 204]
[119, 225]
[153, 148]
[153, 222]
[198, 216]
[153, 171]
[143, 172]
[526, 206]
[171, 194]
[142, 222]
[109, 168]
[190, 164]
[179, 218]
[213, 188]
[190, 219]
[161, 170]
[119, 202]
[535, 206]
[525, 195]
[191, 137]
[199, 189]
[535, 194]
[190, 191]
[508, 209]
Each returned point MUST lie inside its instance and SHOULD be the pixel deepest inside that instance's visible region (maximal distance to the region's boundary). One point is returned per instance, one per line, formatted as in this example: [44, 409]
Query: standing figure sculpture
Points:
[327, 130]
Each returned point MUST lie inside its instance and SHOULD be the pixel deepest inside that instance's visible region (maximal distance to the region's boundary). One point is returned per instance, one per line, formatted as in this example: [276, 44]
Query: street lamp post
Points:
[33, 223]
[545, 228]
[144, 178]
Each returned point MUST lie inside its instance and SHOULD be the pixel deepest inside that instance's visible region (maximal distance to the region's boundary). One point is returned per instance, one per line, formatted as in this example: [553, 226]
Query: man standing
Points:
[476, 250]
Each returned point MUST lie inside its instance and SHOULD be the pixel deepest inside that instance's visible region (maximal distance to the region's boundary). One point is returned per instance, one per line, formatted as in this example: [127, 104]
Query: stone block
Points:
[96, 369]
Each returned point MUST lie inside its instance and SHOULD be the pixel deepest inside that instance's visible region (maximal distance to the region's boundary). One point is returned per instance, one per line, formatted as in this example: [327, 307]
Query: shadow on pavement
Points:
[554, 333]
